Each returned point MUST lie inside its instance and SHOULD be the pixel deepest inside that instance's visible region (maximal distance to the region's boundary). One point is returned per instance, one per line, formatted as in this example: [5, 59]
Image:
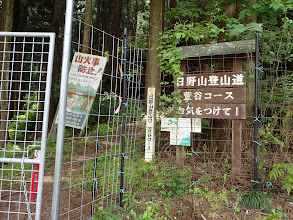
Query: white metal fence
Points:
[26, 62]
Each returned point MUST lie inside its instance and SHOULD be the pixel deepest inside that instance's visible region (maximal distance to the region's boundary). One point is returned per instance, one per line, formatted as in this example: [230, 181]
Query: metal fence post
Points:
[123, 117]
[62, 110]
[256, 111]
[45, 127]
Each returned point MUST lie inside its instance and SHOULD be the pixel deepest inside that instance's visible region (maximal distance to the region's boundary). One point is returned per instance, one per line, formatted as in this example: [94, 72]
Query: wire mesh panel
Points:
[26, 61]
[98, 158]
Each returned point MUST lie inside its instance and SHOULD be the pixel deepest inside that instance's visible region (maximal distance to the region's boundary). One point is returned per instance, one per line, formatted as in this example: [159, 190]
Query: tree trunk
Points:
[153, 72]
[173, 4]
[55, 27]
[222, 127]
[6, 25]
[135, 19]
[87, 27]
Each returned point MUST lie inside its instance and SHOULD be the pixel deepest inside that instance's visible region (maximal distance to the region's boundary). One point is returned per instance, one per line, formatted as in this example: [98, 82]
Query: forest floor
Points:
[160, 190]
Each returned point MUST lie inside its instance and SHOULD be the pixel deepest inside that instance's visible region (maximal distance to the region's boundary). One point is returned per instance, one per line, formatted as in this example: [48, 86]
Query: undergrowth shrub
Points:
[257, 200]
[176, 183]
[105, 130]
[283, 172]
[24, 121]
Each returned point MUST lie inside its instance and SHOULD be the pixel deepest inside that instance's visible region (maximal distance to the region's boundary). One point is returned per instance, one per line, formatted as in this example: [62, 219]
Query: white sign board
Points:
[180, 129]
[85, 75]
[150, 125]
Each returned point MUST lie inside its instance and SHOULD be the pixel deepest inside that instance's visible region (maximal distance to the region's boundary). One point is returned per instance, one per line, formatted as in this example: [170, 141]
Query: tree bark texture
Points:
[6, 25]
[55, 27]
[87, 27]
[153, 72]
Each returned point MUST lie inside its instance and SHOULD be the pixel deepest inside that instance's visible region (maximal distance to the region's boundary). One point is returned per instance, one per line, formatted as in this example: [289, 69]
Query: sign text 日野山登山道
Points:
[213, 95]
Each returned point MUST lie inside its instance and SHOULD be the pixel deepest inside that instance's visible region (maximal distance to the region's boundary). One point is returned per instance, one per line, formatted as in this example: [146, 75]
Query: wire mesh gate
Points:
[26, 62]
[98, 160]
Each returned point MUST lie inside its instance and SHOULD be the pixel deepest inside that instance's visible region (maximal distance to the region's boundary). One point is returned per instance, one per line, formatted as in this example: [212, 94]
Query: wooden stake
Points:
[180, 150]
[236, 132]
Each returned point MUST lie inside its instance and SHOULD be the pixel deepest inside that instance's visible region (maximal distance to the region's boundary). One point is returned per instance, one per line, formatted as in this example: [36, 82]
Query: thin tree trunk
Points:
[135, 20]
[6, 25]
[86, 43]
[173, 4]
[153, 72]
[116, 18]
[55, 27]
[20, 14]
[87, 27]
[222, 127]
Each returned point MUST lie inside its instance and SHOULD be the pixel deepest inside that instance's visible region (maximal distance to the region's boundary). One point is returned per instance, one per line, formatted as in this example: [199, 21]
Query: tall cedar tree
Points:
[153, 72]
[6, 24]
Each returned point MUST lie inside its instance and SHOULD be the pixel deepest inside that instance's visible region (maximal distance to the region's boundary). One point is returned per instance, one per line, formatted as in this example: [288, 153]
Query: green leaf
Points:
[276, 5]
[237, 29]
[242, 14]
[276, 215]
[255, 27]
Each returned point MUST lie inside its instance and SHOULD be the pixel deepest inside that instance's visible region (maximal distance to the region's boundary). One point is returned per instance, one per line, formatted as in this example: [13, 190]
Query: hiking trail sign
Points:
[213, 95]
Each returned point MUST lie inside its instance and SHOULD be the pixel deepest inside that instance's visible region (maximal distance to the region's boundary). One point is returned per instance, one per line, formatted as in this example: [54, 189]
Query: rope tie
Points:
[128, 75]
[254, 181]
[67, 34]
[96, 184]
[122, 191]
[196, 153]
[193, 182]
[122, 135]
[61, 122]
[257, 143]
[123, 155]
[99, 144]
[125, 104]
[258, 33]
[259, 68]
[256, 119]
[119, 172]
[269, 184]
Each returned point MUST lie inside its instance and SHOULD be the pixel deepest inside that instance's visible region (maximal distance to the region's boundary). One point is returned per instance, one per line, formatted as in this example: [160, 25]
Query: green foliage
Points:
[103, 107]
[238, 29]
[133, 209]
[279, 212]
[25, 121]
[273, 216]
[284, 172]
[50, 153]
[114, 212]
[257, 200]
[105, 130]
[176, 184]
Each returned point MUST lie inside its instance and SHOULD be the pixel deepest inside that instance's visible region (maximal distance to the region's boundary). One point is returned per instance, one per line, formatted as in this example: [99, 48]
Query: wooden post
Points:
[180, 150]
[180, 156]
[150, 135]
[236, 132]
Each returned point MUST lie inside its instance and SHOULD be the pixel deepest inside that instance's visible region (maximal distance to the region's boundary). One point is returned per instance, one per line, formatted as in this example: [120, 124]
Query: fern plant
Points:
[283, 171]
